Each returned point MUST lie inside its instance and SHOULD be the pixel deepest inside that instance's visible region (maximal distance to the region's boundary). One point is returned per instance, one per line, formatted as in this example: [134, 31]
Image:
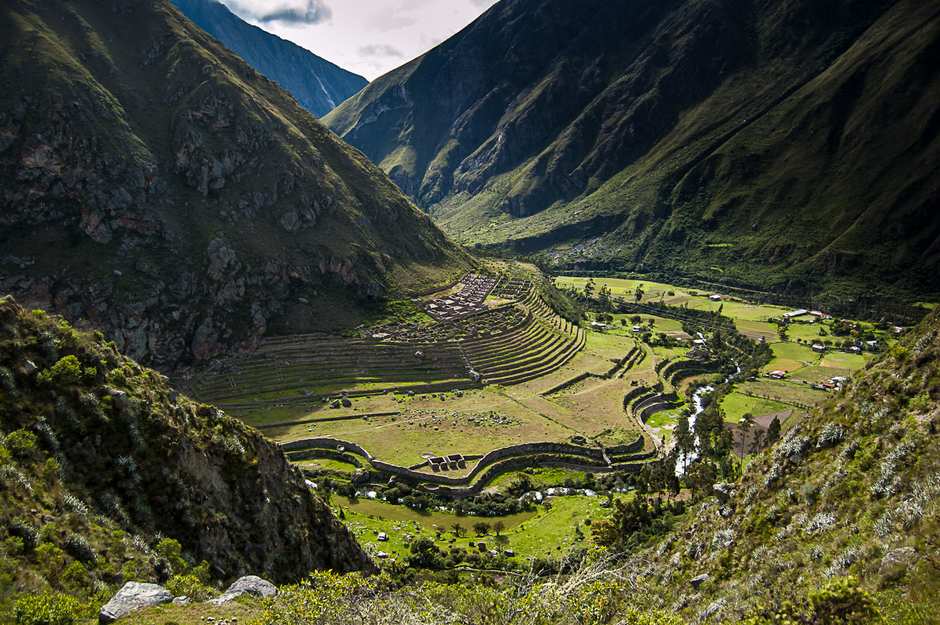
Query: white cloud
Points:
[284, 11]
[379, 50]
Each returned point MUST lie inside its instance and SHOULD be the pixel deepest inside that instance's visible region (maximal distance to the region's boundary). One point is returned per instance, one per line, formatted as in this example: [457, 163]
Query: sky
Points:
[366, 37]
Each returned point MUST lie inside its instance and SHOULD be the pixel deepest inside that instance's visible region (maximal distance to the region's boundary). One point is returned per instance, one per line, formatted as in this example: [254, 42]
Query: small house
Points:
[777, 375]
[715, 298]
[796, 313]
[819, 349]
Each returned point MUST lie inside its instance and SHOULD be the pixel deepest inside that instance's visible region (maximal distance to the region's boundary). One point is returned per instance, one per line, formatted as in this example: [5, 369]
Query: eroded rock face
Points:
[133, 596]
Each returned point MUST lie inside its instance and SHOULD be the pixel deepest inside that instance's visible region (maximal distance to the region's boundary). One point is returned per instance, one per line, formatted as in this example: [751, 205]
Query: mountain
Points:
[161, 190]
[108, 475]
[317, 84]
[849, 495]
[777, 145]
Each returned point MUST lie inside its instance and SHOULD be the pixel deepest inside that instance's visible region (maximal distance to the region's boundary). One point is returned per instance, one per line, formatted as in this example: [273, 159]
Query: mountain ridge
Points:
[317, 84]
[709, 135]
[195, 205]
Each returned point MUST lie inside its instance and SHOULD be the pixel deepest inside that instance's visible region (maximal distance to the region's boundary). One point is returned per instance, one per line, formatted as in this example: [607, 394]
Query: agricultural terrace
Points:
[492, 395]
[808, 373]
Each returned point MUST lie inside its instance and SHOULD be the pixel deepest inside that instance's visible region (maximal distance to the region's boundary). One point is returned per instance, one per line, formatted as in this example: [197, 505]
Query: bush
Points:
[190, 586]
[47, 609]
[21, 443]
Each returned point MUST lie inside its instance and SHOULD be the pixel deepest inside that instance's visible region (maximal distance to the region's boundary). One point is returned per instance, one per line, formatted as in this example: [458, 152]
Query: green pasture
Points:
[532, 533]
[754, 328]
[782, 391]
[818, 374]
[552, 532]
[671, 352]
[790, 357]
[839, 360]
[620, 286]
[736, 405]
[808, 332]
[665, 420]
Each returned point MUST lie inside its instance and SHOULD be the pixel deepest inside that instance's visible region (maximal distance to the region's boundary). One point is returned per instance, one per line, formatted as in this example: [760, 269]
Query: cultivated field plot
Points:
[736, 405]
[783, 391]
[757, 330]
[789, 357]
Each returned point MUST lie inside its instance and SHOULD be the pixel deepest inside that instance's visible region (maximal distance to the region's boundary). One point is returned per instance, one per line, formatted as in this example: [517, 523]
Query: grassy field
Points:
[783, 391]
[790, 357]
[735, 405]
[543, 531]
[757, 329]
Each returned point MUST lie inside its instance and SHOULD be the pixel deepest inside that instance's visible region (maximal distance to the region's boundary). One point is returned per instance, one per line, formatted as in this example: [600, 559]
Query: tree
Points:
[683, 434]
[639, 292]
[498, 527]
[758, 443]
[457, 528]
[700, 477]
[773, 432]
[744, 425]
[589, 288]
[481, 528]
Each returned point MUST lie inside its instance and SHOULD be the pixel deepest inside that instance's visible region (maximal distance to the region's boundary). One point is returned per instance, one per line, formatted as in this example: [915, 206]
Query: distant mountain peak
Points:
[318, 85]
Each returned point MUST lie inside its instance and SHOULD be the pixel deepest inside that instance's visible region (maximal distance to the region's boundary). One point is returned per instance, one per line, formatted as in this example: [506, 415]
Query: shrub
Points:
[67, 371]
[8, 382]
[170, 550]
[47, 609]
[21, 443]
[189, 586]
[79, 548]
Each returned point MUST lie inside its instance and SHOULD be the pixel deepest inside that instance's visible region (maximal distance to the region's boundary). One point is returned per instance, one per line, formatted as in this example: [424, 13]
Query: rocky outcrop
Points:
[248, 585]
[184, 204]
[133, 596]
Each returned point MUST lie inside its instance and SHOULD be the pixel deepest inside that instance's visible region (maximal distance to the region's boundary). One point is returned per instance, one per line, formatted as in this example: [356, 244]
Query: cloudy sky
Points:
[367, 37]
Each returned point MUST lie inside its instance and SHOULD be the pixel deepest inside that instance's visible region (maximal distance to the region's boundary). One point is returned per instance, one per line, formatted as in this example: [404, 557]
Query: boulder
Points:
[248, 585]
[346, 402]
[698, 580]
[120, 400]
[896, 562]
[133, 596]
[723, 492]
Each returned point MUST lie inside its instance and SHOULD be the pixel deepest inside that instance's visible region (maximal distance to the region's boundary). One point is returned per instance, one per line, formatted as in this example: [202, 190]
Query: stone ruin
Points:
[469, 300]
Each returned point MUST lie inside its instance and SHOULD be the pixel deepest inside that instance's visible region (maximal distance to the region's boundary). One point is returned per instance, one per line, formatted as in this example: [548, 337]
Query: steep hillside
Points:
[156, 186]
[317, 84]
[102, 466]
[852, 492]
[789, 145]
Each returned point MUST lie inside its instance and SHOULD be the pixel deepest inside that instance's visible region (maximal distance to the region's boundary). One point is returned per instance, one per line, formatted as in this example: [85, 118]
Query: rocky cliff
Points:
[103, 460]
[159, 188]
[773, 144]
[317, 84]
